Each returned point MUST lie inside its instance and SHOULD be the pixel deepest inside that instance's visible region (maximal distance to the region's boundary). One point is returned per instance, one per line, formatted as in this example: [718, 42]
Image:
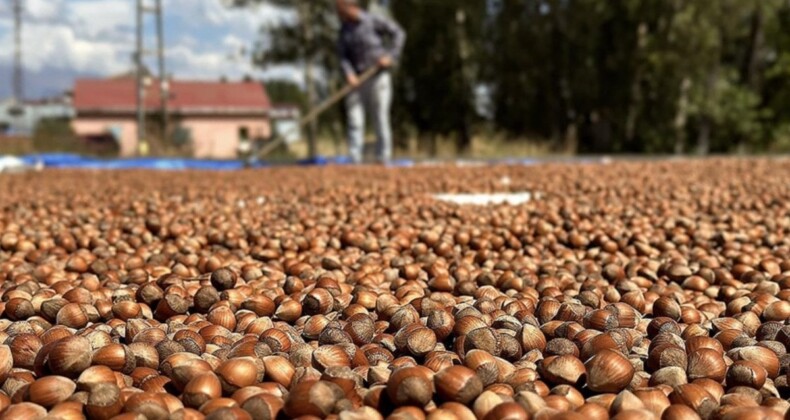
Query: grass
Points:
[15, 145]
[483, 147]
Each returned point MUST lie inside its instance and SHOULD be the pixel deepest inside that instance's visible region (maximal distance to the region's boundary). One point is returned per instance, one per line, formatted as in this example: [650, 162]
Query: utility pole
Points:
[164, 87]
[142, 145]
[305, 15]
[18, 80]
[140, 53]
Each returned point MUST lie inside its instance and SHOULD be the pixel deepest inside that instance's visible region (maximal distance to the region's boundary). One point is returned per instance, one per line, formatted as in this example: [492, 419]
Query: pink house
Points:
[213, 116]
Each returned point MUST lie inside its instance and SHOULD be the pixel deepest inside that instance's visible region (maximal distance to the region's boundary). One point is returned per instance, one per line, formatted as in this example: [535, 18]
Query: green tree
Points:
[775, 87]
[656, 76]
[286, 92]
[308, 40]
[439, 67]
[56, 135]
[635, 75]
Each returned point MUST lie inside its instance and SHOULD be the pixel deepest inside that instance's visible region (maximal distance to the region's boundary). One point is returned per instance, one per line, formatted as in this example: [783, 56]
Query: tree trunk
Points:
[751, 64]
[635, 104]
[464, 141]
[703, 138]
[433, 145]
[681, 116]
[571, 143]
[305, 16]
[704, 129]
[560, 84]
[569, 132]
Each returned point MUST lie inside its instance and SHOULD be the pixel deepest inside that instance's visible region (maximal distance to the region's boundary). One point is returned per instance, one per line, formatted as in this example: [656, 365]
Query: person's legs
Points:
[381, 101]
[355, 112]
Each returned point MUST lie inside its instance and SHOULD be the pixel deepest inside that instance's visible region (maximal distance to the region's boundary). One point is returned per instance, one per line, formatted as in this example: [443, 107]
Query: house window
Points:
[116, 132]
[181, 136]
[244, 133]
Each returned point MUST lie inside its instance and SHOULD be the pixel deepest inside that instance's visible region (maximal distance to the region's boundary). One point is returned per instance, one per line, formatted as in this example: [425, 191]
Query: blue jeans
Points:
[375, 98]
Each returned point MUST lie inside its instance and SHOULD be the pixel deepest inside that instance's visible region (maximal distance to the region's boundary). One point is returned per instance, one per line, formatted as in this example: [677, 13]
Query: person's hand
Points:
[352, 80]
[385, 62]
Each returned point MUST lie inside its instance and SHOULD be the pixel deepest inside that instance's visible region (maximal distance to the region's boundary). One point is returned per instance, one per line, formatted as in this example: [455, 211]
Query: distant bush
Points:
[56, 135]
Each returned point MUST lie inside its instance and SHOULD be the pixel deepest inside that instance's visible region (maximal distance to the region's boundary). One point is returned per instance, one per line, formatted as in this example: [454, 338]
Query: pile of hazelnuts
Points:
[632, 290]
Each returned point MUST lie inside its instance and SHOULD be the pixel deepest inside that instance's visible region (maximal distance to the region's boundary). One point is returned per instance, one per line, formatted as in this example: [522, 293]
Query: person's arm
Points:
[345, 62]
[389, 27]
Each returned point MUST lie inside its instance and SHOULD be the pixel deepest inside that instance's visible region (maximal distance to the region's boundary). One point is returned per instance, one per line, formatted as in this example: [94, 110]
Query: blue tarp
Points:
[64, 160]
[74, 161]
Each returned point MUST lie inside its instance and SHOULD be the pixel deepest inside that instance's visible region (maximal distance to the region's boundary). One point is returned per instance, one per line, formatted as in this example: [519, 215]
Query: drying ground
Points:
[629, 290]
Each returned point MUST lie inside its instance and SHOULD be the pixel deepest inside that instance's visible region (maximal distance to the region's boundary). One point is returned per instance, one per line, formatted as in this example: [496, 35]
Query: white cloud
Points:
[60, 47]
[105, 19]
[188, 64]
[43, 10]
[215, 13]
[96, 37]
[233, 42]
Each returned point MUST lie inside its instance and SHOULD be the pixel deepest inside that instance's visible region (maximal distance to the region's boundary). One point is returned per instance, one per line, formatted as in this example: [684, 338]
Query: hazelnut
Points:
[706, 363]
[95, 375]
[507, 411]
[104, 402]
[50, 390]
[654, 399]
[566, 369]
[415, 339]
[486, 402]
[608, 371]
[25, 410]
[223, 279]
[69, 356]
[117, 357]
[24, 348]
[410, 386]
[484, 364]
[313, 398]
[278, 369]
[746, 373]
[458, 384]
[201, 389]
[263, 406]
[694, 397]
[237, 373]
[759, 355]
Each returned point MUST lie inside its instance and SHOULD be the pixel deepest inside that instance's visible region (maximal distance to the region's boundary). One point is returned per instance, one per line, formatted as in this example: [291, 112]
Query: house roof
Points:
[186, 97]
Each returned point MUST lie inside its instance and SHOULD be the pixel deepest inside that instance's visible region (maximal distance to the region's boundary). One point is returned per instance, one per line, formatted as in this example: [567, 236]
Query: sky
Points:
[67, 39]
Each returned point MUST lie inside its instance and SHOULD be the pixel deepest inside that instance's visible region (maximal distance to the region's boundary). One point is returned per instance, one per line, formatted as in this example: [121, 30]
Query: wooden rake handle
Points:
[319, 109]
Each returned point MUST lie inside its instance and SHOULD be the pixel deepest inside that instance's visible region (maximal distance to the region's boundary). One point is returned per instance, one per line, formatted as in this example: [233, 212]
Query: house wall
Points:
[212, 137]
[127, 127]
[218, 137]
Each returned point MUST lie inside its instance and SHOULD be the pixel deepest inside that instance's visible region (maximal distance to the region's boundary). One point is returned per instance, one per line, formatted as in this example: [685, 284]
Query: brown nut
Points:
[201, 389]
[458, 384]
[313, 398]
[51, 390]
[746, 373]
[563, 370]
[608, 371]
[411, 386]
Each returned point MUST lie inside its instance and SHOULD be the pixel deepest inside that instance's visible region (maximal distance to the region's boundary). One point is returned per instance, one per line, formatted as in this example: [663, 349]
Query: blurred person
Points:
[367, 41]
